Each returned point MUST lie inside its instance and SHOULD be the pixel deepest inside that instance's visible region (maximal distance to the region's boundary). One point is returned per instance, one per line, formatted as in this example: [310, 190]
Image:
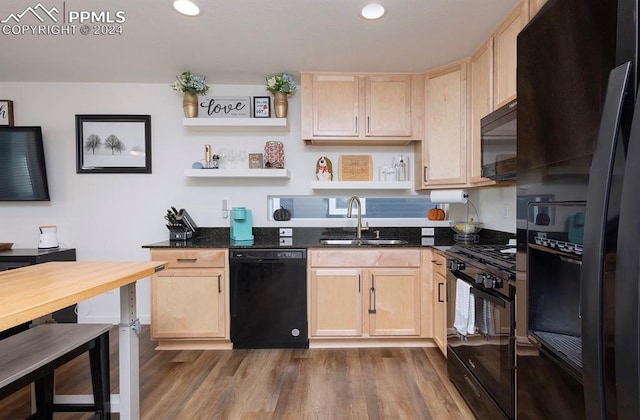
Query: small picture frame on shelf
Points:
[256, 161]
[262, 107]
[6, 113]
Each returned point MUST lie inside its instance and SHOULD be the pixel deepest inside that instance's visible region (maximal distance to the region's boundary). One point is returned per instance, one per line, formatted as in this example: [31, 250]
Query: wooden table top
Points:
[30, 292]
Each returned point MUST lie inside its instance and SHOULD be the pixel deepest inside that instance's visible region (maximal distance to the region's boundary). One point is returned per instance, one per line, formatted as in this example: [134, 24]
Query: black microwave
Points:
[498, 143]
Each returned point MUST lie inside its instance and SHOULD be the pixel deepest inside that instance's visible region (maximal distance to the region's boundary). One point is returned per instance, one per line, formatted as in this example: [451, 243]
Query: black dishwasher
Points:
[268, 298]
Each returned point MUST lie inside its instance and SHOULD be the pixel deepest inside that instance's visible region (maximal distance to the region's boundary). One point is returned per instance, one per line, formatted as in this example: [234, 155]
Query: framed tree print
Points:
[113, 144]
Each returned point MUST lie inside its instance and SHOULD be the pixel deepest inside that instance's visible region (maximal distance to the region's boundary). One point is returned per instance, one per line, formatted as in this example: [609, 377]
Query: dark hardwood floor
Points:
[398, 383]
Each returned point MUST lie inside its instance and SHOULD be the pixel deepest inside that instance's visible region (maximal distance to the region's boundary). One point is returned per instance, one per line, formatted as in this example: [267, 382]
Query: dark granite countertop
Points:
[304, 237]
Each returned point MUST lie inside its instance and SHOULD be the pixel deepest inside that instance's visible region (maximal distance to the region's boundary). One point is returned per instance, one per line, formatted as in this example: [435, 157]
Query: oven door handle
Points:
[487, 296]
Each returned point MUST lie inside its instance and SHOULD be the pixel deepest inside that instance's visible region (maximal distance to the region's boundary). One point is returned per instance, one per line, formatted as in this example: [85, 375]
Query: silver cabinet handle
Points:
[425, 174]
[356, 119]
[372, 295]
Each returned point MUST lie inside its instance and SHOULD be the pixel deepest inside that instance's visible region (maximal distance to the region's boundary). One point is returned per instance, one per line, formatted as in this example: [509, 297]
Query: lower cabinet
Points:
[189, 300]
[439, 276]
[335, 302]
[394, 301]
[366, 294]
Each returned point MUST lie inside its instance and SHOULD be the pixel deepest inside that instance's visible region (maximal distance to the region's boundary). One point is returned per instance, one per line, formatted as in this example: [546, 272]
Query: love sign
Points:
[224, 106]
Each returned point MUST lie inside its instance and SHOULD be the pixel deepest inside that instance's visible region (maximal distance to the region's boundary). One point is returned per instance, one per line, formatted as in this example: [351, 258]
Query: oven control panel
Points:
[455, 265]
[489, 281]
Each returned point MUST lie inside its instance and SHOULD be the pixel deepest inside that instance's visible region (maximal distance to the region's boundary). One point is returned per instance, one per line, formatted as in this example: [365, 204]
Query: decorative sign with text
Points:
[355, 168]
[6, 112]
[224, 106]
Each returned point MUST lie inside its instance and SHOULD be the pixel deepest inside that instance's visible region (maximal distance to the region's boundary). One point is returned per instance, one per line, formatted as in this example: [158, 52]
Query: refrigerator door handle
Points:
[592, 273]
[627, 317]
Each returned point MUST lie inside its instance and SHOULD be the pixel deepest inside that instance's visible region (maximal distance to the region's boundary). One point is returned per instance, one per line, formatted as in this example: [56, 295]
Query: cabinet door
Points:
[388, 106]
[505, 57]
[444, 161]
[481, 103]
[439, 302]
[394, 302]
[535, 6]
[188, 304]
[335, 105]
[336, 302]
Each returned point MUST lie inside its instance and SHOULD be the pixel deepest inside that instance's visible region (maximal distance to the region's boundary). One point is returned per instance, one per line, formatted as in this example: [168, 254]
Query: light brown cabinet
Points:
[505, 55]
[365, 293]
[441, 158]
[439, 275]
[335, 303]
[535, 6]
[394, 302]
[189, 300]
[344, 108]
[480, 104]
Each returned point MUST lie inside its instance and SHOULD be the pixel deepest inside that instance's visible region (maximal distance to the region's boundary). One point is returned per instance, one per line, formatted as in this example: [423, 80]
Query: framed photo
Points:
[6, 113]
[113, 144]
[256, 161]
[262, 107]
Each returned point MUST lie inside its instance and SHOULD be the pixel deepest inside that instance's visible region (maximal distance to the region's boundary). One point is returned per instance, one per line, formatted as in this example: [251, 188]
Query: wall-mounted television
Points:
[23, 175]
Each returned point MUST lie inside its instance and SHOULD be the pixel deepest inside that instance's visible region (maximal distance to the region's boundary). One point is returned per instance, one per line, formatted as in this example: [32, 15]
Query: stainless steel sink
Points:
[372, 241]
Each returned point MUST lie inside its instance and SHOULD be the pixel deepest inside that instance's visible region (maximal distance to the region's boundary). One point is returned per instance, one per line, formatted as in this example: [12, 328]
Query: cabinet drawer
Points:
[188, 258]
[365, 258]
[439, 264]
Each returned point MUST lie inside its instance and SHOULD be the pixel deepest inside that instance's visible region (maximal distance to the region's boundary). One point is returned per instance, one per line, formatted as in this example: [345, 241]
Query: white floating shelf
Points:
[361, 185]
[234, 122]
[237, 173]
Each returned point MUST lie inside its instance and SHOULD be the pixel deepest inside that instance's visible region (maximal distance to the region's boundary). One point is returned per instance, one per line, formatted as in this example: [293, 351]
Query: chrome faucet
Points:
[359, 227]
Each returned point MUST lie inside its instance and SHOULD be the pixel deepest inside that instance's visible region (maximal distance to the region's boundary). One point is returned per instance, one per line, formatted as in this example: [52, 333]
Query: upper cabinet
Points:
[335, 104]
[504, 55]
[441, 158]
[480, 104]
[387, 102]
[535, 6]
[361, 109]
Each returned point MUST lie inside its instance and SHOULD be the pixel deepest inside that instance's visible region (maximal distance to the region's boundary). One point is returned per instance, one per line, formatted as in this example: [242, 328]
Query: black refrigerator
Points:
[578, 195]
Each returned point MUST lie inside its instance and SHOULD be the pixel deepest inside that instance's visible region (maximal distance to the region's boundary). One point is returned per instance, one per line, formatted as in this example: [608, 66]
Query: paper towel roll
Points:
[448, 196]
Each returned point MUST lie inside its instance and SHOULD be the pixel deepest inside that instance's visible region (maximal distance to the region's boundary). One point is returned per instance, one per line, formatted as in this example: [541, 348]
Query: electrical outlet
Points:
[286, 241]
[429, 231]
[286, 232]
[428, 241]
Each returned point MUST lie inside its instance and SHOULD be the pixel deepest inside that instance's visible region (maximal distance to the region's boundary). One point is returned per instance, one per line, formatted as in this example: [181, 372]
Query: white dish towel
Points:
[464, 321]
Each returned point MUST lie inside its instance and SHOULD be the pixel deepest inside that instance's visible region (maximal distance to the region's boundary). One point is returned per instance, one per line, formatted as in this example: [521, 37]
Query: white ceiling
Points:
[242, 41]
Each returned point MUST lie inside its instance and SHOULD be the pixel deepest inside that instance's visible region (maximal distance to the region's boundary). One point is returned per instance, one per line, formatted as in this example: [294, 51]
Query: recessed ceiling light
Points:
[372, 11]
[186, 7]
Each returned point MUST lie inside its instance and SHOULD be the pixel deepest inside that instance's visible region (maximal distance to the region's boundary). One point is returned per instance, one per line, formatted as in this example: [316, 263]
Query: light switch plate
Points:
[286, 232]
[286, 241]
[428, 231]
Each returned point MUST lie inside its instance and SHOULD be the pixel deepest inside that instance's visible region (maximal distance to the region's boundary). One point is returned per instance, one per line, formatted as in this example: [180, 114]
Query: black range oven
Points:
[481, 327]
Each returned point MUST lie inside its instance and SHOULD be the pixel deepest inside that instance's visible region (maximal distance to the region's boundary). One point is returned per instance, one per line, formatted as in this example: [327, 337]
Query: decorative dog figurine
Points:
[324, 169]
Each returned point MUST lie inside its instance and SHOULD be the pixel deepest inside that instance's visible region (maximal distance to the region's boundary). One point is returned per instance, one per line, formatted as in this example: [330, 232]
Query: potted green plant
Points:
[281, 85]
[191, 85]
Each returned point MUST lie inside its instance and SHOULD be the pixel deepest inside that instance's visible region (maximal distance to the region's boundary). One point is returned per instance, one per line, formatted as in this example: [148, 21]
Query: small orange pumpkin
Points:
[435, 214]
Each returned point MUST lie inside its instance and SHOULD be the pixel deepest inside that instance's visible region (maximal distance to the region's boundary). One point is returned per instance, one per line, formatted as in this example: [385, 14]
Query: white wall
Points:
[496, 208]
[110, 216]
